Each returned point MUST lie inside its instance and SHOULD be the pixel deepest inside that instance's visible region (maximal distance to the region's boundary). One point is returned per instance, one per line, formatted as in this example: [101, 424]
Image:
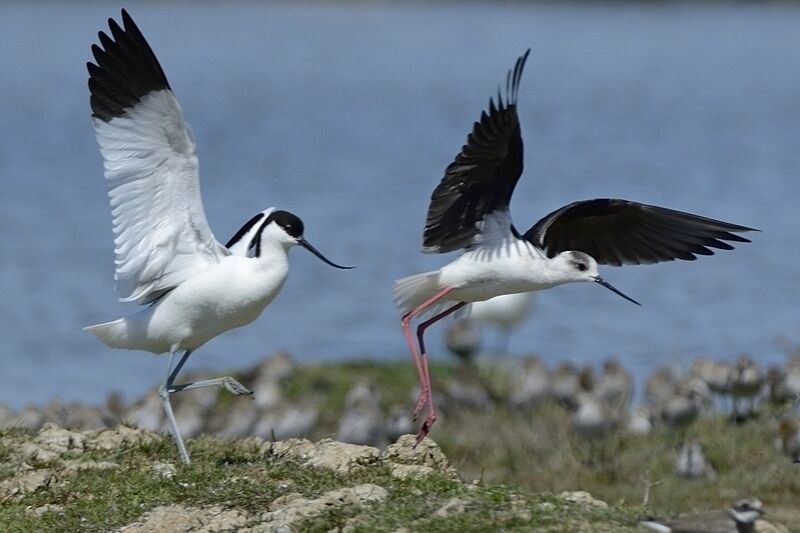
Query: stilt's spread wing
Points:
[617, 232]
[482, 178]
[161, 232]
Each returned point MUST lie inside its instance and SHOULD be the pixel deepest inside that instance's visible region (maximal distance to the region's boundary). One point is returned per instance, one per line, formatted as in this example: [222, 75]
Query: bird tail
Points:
[413, 290]
[113, 334]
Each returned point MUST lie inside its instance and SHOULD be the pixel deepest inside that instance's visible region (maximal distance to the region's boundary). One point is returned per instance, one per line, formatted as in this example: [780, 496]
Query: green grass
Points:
[235, 476]
[523, 459]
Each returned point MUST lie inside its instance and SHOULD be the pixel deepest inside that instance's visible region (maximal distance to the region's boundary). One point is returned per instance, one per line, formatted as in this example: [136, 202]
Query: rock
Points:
[336, 456]
[25, 483]
[74, 466]
[401, 471]
[290, 509]
[36, 454]
[59, 440]
[119, 437]
[180, 519]
[427, 453]
[47, 508]
[451, 507]
[582, 498]
[164, 470]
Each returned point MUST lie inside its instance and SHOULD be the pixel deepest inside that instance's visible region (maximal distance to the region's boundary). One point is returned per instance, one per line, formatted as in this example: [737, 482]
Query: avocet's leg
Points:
[169, 387]
[431, 418]
[164, 392]
[406, 324]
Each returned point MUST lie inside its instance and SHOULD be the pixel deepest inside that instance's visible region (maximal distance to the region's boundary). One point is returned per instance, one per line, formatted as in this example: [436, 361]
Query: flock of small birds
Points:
[599, 403]
[602, 402]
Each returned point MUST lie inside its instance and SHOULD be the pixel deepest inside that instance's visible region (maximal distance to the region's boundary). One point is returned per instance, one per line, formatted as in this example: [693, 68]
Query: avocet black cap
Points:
[292, 225]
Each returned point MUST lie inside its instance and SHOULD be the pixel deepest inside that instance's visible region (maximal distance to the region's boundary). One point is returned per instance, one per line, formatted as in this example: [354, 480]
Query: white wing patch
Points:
[160, 228]
[494, 229]
[242, 246]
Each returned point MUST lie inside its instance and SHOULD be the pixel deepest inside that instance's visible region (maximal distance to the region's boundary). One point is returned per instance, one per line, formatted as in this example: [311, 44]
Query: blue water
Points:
[347, 115]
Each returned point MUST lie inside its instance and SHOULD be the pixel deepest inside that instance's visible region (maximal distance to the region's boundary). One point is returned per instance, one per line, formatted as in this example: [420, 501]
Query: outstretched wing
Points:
[160, 228]
[617, 232]
[482, 178]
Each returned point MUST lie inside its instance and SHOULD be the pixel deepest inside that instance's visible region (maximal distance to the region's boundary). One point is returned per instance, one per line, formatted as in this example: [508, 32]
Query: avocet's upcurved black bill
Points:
[610, 287]
[304, 243]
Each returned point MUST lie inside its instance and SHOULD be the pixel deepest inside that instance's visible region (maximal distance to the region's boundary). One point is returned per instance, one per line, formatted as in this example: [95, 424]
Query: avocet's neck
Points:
[271, 250]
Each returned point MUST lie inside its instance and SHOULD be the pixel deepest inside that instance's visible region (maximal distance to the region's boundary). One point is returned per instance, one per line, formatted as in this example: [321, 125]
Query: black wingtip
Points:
[125, 70]
[482, 177]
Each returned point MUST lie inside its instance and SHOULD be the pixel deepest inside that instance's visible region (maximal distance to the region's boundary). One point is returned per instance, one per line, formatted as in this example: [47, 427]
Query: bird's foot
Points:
[234, 387]
[425, 429]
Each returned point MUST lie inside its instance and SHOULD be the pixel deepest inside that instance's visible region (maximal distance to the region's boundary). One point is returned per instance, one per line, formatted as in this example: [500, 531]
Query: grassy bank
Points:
[255, 486]
[512, 466]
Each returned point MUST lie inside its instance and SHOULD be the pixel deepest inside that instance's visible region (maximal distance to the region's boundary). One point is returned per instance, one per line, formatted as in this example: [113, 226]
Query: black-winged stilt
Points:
[469, 211]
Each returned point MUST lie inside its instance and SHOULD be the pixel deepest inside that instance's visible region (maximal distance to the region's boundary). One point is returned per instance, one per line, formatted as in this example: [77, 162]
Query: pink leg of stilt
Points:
[431, 418]
[406, 323]
[422, 370]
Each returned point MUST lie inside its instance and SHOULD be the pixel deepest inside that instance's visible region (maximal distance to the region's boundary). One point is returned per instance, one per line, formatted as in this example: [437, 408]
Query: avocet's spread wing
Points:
[482, 178]
[617, 232]
[161, 232]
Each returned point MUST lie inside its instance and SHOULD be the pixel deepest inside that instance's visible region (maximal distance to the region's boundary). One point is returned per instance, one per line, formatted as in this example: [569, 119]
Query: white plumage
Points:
[165, 253]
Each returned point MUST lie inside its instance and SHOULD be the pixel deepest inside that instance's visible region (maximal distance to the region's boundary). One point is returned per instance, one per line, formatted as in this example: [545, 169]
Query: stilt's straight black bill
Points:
[304, 243]
[610, 287]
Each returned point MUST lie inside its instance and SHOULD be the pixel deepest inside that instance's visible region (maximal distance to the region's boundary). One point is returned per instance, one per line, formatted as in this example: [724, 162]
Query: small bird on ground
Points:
[565, 384]
[530, 383]
[463, 338]
[504, 313]
[745, 382]
[739, 518]
[469, 211]
[615, 385]
[716, 374]
[659, 387]
[167, 258]
[363, 421]
[593, 417]
[691, 462]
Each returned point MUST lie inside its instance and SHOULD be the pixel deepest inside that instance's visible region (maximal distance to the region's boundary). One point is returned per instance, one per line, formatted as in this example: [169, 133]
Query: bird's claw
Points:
[234, 387]
[425, 429]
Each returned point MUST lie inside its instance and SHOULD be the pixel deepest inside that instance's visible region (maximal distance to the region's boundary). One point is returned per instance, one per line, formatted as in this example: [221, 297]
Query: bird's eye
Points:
[582, 267]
